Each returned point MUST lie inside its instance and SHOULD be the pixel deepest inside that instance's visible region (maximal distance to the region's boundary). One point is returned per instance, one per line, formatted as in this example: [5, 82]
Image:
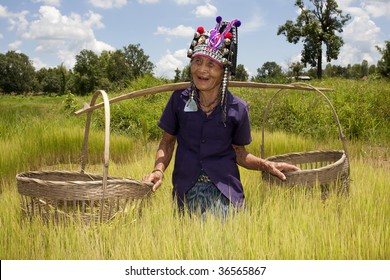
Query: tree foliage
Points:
[137, 61]
[241, 73]
[384, 62]
[17, 74]
[111, 69]
[296, 69]
[87, 71]
[186, 73]
[316, 26]
[53, 80]
[269, 72]
[116, 70]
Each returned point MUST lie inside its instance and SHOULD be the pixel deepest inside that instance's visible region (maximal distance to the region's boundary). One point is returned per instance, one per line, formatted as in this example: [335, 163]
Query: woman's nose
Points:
[203, 68]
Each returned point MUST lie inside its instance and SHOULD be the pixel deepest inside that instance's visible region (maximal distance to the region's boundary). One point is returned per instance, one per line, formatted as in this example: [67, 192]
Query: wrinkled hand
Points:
[277, 168]
[156, 178]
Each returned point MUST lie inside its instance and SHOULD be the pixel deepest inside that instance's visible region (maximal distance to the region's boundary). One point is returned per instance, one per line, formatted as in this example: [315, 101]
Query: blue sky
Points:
[52, 32]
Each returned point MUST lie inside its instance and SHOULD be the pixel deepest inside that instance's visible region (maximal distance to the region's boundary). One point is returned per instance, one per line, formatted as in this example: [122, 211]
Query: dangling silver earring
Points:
[191, 105]
[223, 101]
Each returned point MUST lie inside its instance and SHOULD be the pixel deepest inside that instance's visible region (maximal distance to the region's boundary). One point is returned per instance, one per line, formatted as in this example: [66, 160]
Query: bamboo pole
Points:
[183, 85]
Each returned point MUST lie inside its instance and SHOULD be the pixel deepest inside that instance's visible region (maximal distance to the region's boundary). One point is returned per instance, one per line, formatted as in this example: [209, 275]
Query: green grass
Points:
[278, 223]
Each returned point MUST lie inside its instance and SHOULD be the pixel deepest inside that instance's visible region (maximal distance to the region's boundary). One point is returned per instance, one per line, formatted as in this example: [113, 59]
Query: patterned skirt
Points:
[204, 197]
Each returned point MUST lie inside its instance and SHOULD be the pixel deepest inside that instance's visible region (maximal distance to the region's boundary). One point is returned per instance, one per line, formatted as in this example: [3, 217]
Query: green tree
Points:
[48, 80]
[186, 73]
[86, 72]
[296, 69]
[53, 80]
[116, 68]
[383, 66]
[17, 74]
[138, 63]
[177, 76]
[355, 71]
[364, 69]
[241, 73]
[372, 70]
[269, 72]
[316, 26]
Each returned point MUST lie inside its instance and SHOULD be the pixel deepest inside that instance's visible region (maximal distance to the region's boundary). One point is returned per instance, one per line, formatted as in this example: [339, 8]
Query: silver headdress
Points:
[220, 45]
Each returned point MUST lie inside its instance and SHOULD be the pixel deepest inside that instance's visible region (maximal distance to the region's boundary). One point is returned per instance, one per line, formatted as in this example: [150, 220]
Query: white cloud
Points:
[377, 8]
[343, 4]
[254, 24]
[206, 10]
[51, 25]
[55, 3]
[3, 11]
[16, 21]
[186, 2]
[65, 35]
[68, 57]
[167, 65]
[148, 1]
[360, 37]
[108, 4]
[38, 64]
[355, 11]
[179, 31]
[361, 29]
[15, 45]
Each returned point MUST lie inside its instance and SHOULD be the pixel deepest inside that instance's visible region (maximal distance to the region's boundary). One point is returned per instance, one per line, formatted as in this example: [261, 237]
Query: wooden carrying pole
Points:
[183, 85]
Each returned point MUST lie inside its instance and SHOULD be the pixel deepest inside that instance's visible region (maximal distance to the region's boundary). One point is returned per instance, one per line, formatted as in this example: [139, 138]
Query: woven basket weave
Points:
[324, 167]
[58, 195]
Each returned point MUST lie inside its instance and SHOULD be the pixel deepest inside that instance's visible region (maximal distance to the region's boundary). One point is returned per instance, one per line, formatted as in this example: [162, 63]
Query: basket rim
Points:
[23, 177]
[327, 101]
[340, 161]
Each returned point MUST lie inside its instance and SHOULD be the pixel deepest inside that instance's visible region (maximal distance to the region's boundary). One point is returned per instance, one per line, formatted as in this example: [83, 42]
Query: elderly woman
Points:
[211, 128]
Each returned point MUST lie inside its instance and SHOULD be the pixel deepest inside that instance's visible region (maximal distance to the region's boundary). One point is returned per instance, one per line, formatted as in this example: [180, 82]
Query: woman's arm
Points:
[250, 161]
[163, 158]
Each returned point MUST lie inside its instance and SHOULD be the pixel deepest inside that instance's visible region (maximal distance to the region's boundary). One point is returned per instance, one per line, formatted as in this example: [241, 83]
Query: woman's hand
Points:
[277, 168]
[163, 157]
[249, 161]
[156, 177]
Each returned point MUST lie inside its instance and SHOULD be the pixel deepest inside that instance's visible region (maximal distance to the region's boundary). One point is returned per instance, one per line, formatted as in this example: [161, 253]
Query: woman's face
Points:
[206, 74]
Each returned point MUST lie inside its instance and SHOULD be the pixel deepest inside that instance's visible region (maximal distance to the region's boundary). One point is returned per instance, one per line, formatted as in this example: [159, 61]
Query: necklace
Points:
[214, 102]
[218, 98]
[207, 112]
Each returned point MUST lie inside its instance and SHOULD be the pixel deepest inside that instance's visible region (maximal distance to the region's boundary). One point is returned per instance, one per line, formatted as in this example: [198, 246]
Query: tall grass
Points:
[36, 132]
[363, 108]
[277, 223]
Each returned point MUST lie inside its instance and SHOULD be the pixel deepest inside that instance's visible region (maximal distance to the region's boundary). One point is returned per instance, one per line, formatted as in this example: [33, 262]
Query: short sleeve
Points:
[242, 134]
[168, 120]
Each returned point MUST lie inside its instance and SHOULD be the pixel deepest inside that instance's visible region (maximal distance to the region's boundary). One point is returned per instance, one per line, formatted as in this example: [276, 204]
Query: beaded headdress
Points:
[220, 45]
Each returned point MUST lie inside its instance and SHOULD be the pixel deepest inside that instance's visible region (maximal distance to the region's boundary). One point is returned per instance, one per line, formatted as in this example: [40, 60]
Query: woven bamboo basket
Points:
[323, 167]
[59, 195]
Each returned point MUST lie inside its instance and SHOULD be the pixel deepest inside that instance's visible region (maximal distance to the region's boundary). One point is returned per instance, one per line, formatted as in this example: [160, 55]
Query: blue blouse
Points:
[205, 142]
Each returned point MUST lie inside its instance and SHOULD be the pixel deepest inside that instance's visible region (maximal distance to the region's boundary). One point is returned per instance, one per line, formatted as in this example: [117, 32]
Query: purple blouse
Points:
[204, 142]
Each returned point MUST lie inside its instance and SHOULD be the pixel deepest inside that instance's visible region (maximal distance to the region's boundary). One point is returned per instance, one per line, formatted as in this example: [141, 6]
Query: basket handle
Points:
[336, 118]
[106, 139]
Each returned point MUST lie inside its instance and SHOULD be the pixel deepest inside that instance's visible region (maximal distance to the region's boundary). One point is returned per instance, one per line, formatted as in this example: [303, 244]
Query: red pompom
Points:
[229, 35]
[200, 30]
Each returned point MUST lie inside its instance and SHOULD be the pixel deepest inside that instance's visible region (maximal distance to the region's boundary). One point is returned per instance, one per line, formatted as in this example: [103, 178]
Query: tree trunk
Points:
[319, 66]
